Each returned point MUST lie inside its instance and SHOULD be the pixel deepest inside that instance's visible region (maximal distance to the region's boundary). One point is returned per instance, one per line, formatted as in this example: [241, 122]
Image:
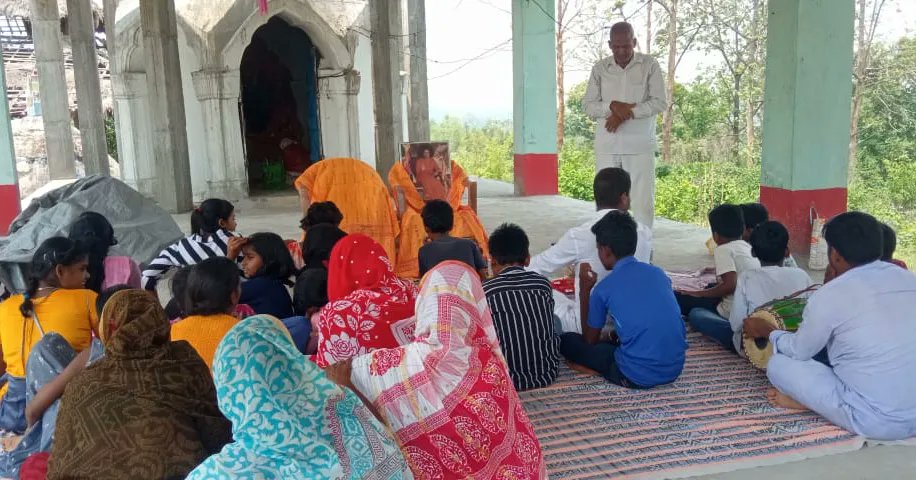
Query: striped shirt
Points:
[522, 306]
[185, 252]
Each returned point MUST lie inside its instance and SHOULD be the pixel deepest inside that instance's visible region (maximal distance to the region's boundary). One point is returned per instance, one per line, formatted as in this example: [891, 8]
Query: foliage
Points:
[483, 150]
[111, 136]
[578, 124]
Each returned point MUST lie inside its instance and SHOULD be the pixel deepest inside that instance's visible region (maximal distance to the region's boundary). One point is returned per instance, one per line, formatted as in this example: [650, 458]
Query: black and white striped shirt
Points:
[522, 306]
[187, 251]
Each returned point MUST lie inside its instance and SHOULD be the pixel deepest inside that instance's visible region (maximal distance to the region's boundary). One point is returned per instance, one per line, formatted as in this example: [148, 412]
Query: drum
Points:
[784, 314]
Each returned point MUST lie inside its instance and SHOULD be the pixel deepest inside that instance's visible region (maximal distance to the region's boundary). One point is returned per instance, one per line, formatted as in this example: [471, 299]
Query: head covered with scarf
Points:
[146, 410]
[370, 307]
[448, 395]
[289, 420]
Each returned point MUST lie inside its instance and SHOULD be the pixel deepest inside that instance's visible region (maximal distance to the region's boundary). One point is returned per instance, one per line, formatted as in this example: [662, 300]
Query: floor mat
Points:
[714, 418]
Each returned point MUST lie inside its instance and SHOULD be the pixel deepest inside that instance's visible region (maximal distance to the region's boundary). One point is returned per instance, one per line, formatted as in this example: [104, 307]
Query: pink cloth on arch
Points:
[121, 271]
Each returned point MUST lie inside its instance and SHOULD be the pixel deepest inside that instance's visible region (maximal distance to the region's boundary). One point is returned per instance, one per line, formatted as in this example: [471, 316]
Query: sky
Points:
[469, 54]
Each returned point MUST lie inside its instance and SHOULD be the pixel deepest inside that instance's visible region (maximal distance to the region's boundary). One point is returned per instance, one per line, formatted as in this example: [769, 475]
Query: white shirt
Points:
[734, 256]
[640, 83]
[578, 246]
[866, 318]
[759, 286]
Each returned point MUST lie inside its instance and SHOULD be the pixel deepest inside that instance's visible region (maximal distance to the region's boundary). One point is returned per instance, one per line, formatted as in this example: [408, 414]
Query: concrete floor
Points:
[677, 246]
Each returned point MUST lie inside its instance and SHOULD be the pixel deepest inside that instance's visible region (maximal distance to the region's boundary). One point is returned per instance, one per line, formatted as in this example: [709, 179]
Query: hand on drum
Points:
[755, 327]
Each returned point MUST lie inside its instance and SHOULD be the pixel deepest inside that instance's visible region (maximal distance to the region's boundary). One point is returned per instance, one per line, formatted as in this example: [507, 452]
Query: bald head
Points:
[622, 43]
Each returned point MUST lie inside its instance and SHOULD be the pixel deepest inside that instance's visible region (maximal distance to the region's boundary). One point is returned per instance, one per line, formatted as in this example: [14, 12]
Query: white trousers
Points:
[641, 167]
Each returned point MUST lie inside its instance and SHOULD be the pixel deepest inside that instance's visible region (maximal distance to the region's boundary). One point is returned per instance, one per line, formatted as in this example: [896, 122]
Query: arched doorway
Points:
[280, 120]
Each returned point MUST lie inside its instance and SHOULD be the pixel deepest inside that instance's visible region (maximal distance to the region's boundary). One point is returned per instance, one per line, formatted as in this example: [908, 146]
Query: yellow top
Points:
[204, 332]
[413, 233]
[71, 313]
[359, 193]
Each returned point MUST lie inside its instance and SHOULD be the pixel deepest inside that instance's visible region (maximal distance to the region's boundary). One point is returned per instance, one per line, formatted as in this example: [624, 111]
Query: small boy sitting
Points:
[755, 214]
[521, 303]
[651, 342]
[439, 219]
[770, 245]
[732, 257]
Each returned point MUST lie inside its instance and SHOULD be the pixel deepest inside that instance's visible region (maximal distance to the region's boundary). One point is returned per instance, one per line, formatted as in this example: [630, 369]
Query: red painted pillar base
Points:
[536, 174]
[9, 206]
[793, 209]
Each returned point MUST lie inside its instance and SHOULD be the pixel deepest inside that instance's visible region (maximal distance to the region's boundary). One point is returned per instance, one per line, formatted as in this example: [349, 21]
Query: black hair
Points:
[727, 220]
[856, 236]
[210, 287]
[277, 261]
[754, 214]
[311, 290]
[319, 241]
[617, 231]
[205, 218]
[321, 212]
[888, 242]
[769, 241]
[176, 307]
[95, 235]
[51, 253]
[611, 184]
[438, 216]
[509, 244]
[106, 295]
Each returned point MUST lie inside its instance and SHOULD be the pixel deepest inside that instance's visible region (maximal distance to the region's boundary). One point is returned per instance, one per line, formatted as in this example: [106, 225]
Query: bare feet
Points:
[779, 399]
[579, 368]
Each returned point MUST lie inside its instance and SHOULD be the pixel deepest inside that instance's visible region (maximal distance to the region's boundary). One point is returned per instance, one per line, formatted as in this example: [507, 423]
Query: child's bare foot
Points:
[579, 368]
[779, 399]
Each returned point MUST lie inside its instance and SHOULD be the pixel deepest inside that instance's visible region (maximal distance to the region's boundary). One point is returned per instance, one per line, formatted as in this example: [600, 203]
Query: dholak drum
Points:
[784, 314]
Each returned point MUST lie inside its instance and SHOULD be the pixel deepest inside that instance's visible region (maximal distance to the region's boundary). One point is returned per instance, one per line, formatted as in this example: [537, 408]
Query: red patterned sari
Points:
[369, 306]
[447, 395]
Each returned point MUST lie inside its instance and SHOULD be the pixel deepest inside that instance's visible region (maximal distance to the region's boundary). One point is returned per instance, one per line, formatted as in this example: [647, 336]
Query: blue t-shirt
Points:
[647, 318]
[267, 296]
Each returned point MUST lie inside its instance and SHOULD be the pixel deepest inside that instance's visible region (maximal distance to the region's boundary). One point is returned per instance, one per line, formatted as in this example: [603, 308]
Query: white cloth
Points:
[734, 256]
[759, 286]
[641, 168]
[578, 246]
[865, 318]
[641, 83]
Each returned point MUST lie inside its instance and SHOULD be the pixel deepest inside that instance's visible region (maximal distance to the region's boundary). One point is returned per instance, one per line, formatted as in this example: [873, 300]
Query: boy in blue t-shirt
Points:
[650, 343]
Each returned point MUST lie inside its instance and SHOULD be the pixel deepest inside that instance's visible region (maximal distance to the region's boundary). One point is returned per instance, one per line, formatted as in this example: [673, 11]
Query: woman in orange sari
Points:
[358, 192]
[413, 235]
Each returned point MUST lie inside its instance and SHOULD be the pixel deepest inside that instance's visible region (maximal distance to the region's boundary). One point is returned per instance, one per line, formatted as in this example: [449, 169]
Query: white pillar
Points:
[339, 114]
[387, 59]
[418, 93]
[88, 88]
[135, 152]
[49, 60]
[218, 94]
[163, 75]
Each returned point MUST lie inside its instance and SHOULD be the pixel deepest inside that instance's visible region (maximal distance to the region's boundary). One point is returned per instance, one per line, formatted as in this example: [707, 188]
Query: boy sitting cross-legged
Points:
[439, 219]
[650, 344]
[521, 303]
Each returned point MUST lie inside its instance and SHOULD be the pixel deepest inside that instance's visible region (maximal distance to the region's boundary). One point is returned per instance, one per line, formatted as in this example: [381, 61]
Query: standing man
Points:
[625, 94]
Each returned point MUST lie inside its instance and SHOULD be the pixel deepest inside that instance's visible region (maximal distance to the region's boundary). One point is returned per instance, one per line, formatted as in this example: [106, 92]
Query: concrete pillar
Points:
[110, 14]
[218, 94]
[135, 145]
[9, 181]
[163, 75]
[386, 82]
[49, 60]
[418, 94]
[339, 110]
[534, 70]
[88, 88]
[807, 109]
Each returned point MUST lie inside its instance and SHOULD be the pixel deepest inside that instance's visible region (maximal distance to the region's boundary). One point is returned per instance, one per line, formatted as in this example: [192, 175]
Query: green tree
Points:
[578, 124]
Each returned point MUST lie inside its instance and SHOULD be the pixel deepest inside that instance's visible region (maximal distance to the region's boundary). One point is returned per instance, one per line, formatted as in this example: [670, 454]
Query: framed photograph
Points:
[430, 168]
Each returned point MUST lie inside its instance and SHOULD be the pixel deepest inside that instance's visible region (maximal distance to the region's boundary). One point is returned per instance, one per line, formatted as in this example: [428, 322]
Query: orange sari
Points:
[359, 193]
[413, 235]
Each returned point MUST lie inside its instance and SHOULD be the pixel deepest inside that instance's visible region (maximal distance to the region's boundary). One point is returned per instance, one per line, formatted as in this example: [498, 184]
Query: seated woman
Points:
[268, 266]
[211, 297]
[413, 234]
[309, 296]
[369, 306]
[55, 301]
[358, 192]
[95, 235]
[447, 395]
[146, 410]
[288, 419]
